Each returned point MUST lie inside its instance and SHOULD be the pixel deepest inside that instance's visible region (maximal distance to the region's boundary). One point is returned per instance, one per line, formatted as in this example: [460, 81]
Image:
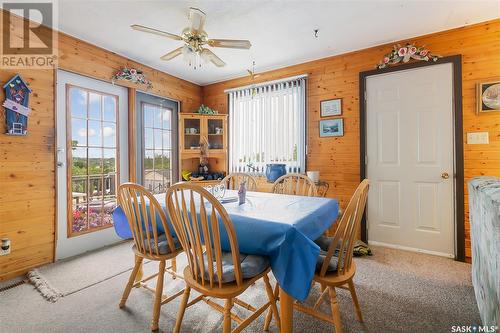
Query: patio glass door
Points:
[91, 129]
[92, 159]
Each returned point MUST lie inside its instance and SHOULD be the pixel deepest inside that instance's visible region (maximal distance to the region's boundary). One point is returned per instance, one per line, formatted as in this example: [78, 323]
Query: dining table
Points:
[282, 227]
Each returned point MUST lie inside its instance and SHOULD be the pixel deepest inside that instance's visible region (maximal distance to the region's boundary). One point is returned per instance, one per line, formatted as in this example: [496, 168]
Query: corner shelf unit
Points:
[192, 128]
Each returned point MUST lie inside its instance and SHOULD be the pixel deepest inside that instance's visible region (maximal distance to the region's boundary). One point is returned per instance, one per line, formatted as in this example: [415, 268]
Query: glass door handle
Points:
[60, 163]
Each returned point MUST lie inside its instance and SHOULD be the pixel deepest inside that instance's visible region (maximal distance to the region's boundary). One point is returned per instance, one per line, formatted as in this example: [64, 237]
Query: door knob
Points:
[445, 175]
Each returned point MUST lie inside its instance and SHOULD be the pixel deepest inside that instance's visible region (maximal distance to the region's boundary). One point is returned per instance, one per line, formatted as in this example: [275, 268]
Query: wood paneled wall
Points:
[84, 58]
[338, 77]
[27, 164]
[27, 182]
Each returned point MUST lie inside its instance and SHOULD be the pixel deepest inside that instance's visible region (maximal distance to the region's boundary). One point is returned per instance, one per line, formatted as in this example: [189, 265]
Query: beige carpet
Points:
[399, 292]
[74, 274]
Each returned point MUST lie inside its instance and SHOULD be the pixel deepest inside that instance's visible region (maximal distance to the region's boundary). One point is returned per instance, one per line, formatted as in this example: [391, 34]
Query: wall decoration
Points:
[332, 107]
[17, 95]
[205, 110]
[331, 127]
[132, 75]
[405, 53]
[488, 96]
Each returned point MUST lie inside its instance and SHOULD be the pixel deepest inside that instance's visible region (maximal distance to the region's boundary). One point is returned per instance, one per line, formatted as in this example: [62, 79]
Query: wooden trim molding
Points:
[456, 61]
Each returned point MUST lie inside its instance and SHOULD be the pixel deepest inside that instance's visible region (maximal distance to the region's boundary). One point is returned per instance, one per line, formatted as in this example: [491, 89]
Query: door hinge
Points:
[365, 96]
[366, 159]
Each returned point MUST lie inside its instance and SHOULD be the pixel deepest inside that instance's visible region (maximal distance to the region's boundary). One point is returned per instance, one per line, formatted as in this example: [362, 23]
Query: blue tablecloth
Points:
[281, 227]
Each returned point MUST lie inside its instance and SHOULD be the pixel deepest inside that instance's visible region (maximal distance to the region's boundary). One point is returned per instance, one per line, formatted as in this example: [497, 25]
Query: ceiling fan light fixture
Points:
[195, 39]
[191, 56]
[186, 50]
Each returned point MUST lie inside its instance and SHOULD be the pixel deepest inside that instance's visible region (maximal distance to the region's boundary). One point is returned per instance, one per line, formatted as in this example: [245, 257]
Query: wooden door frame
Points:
[456, 62]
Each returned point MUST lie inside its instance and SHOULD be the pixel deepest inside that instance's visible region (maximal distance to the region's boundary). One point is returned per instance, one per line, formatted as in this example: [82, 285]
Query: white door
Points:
[410, 152]
[92, 155]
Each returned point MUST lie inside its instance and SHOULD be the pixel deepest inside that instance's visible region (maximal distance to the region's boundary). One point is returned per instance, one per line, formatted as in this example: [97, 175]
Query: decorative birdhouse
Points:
[17, 95]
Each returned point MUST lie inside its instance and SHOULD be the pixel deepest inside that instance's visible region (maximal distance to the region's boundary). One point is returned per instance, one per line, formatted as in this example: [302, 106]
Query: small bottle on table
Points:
[242, 193]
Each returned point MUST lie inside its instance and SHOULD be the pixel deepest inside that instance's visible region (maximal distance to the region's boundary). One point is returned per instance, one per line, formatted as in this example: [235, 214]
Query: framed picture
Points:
[331, 127]
[488, 96]
[332, 107]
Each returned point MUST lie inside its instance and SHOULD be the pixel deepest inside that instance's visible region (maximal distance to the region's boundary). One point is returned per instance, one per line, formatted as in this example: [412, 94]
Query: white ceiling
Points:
[281, 32]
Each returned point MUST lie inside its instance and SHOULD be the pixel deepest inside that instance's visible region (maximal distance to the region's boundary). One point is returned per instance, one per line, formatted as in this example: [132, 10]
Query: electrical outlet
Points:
[4, 246]
[478, 138]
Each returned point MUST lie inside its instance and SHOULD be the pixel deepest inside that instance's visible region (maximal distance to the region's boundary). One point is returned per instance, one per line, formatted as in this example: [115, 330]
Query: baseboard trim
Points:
[411, 249]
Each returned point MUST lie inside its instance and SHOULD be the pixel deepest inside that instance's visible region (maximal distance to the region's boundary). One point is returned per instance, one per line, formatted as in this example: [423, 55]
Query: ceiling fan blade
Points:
[210, 56]
[197, 18]
[172, 54]
[142, 28]
[230, 43]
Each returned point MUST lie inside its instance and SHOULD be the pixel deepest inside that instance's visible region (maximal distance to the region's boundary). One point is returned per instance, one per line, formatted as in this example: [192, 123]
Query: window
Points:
[267, 125]
[92, 127]
[157, 147]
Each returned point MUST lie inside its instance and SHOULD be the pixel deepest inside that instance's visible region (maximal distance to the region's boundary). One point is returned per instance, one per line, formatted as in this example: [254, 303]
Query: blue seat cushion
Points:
[251, 265]
[324, 243]
[163, 247]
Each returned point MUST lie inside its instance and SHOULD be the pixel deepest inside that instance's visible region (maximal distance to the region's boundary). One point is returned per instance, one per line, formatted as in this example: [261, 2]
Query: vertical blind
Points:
[268, 125]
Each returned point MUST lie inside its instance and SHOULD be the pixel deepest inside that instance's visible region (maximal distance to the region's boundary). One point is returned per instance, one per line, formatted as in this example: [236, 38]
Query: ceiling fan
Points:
[195, 41]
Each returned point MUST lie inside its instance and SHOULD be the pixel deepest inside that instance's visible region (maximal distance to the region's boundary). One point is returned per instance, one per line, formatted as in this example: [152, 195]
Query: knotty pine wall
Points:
[337, 159]
[27, 164]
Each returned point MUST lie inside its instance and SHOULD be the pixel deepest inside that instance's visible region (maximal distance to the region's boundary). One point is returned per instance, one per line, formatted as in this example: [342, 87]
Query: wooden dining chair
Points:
[233, 181]
[148, 243]
[203, 225]
[335, 267]
[295, 184]
[322, 188]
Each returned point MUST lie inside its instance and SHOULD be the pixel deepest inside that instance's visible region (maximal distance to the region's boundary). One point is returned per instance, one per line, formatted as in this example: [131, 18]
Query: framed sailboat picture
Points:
[331, 127]
[488, 96]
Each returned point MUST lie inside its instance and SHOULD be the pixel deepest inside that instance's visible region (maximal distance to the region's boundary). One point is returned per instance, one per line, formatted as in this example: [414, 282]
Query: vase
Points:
[275, 171]
[314, 175]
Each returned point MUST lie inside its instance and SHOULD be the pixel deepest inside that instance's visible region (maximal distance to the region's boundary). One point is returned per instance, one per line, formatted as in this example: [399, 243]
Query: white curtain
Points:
[268, 125]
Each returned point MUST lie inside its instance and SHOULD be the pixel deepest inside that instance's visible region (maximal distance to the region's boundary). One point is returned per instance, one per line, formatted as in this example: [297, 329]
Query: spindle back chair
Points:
[340, 249]
[146, 217]
[233, 181]
[208, 237]
[295, 184]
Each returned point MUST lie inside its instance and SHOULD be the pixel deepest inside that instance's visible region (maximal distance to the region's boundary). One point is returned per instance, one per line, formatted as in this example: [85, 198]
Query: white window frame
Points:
[164, 183]
[267, 104]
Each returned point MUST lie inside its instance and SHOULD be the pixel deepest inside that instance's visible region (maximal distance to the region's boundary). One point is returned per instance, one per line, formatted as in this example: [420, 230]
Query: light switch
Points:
[478, 138]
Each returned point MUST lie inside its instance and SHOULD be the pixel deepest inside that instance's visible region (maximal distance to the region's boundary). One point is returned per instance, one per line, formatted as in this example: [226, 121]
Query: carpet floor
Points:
[399, 292]
[74, 274]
